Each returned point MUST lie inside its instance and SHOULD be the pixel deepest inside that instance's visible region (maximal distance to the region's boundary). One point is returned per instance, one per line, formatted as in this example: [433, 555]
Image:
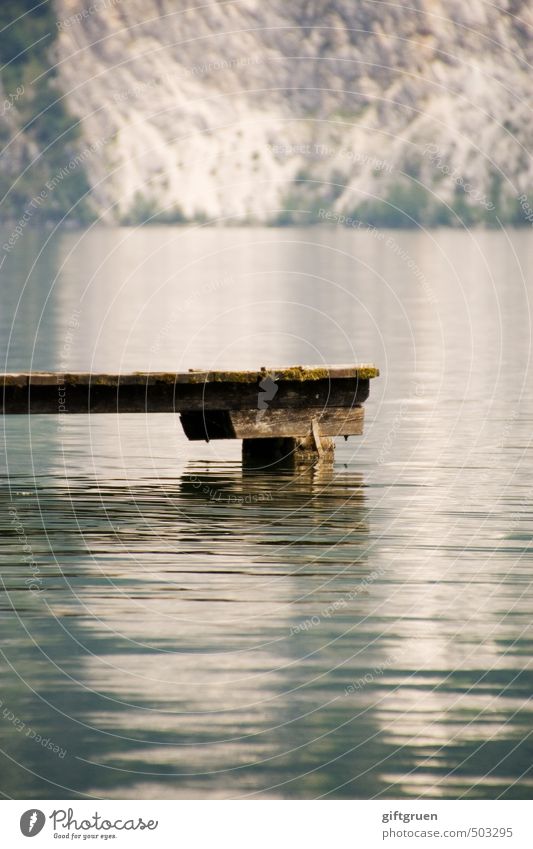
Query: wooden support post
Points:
[316, 437]
[287, 451]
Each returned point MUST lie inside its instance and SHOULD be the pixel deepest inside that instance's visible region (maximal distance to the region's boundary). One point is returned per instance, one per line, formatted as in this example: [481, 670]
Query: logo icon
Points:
[32, 822]
[268, 389]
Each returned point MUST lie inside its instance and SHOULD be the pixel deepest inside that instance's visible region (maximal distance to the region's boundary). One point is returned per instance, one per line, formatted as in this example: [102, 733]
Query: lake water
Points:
[363, 631]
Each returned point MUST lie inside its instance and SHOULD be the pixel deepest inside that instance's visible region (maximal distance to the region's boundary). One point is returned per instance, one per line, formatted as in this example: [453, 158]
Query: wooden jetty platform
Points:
[280, 414]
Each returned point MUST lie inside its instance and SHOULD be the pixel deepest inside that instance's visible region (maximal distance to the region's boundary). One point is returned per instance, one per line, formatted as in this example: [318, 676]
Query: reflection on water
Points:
[180, 627]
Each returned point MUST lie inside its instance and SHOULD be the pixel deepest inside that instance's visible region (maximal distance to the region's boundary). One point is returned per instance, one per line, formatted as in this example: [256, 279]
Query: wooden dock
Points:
[294, 411]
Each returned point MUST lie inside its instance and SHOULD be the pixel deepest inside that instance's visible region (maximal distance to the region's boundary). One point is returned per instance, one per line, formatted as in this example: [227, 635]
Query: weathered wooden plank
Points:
[270, 423]
[255, 424]
[299, 374]
[172, 393]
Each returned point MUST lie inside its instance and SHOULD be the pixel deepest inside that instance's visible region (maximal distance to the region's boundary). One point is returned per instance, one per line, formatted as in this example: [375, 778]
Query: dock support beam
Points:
[289, 451]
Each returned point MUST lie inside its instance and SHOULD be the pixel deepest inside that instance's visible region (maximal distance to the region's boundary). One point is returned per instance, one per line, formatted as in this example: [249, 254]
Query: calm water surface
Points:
[363, 631]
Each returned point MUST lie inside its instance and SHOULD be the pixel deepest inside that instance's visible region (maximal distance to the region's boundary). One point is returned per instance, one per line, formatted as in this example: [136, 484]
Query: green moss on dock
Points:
[293, 373]
[223, 377]
[302, 373]
[105, 380]
[299, 374]
[165, 377]
[367, 372]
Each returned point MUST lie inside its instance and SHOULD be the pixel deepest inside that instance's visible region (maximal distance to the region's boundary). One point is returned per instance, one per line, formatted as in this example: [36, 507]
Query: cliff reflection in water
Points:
[191, 634]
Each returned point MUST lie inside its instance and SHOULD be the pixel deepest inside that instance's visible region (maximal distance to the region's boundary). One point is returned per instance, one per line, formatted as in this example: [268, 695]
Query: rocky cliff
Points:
[282, 111]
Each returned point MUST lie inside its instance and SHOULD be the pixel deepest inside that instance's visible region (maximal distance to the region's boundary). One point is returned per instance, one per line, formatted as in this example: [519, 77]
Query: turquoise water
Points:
[363, 631]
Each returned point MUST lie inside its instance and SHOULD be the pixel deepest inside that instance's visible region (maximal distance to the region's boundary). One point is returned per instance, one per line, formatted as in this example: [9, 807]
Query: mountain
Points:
[395, 113]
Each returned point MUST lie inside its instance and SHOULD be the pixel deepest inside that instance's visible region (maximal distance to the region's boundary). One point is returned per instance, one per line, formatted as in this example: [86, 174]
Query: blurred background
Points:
[403, 114]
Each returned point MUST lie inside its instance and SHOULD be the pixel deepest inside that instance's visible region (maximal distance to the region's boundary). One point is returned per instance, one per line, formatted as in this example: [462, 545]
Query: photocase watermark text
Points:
[436, 157]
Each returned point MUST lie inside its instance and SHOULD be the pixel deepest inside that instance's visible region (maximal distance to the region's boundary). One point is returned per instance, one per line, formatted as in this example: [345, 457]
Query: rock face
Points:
[294, 110]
